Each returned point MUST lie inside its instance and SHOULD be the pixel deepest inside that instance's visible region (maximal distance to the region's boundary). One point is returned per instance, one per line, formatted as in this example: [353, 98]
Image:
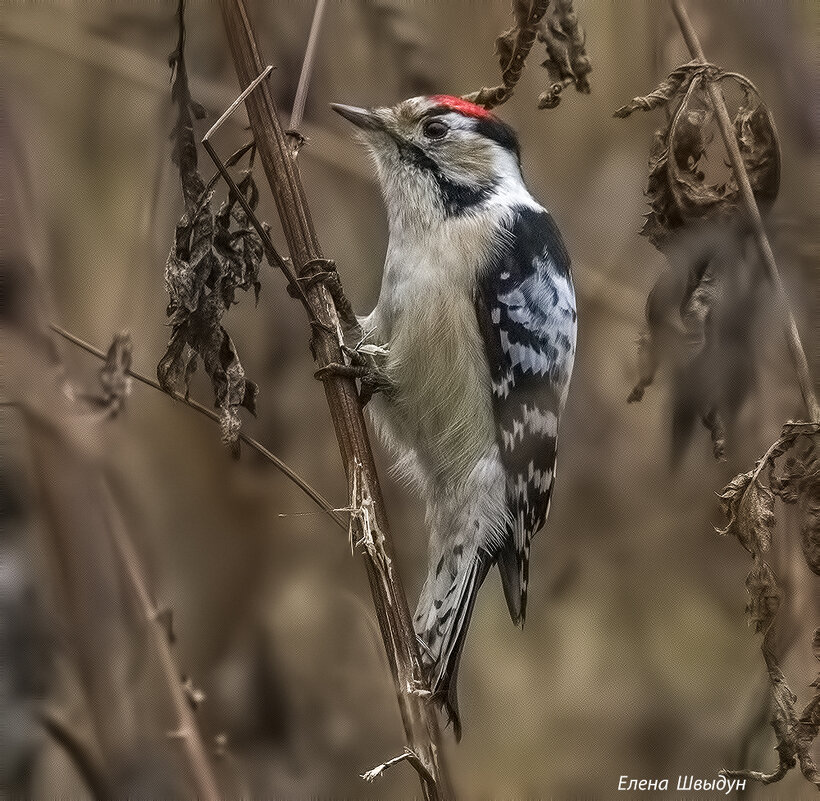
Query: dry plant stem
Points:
[418, 716]
[407, 755]
[187, 731]
[307, 66]
[86, 48]
[271, 253]
[283, 468]
[796, 351]
[81, 753]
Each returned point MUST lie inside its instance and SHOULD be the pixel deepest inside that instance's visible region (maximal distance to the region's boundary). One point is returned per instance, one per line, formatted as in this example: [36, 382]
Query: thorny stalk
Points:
[283, 468]
[418, 716]
[186, 730]
[798, 355]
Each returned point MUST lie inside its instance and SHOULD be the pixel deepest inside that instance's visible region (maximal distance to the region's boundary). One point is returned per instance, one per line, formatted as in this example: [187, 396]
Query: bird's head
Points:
[437, 156]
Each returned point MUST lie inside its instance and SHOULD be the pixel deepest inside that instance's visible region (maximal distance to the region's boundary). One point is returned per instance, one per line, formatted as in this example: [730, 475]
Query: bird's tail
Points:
[442, 618]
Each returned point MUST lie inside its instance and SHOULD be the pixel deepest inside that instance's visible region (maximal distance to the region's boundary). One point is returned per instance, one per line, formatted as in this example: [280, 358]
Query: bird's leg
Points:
[324, 271]
[362, 367]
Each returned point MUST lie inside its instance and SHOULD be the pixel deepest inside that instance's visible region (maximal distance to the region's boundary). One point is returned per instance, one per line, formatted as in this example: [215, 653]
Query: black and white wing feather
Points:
[525, 304]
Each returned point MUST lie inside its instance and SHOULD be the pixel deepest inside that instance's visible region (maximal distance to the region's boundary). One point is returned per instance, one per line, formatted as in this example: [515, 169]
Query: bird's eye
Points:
[435, 129]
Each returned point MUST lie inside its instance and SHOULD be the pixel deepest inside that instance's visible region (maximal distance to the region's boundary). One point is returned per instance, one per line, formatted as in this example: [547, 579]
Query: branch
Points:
[420, 723]
[307, 66]
[796, 351]
[81, 752]
[187, 731]
[408, 756]
[283, 468]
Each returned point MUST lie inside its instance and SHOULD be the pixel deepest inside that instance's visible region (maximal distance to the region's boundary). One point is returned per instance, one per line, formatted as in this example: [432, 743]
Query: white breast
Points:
[440, 418]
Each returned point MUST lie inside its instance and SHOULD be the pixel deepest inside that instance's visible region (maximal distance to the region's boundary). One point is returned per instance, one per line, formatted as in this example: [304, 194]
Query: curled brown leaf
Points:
[749, 508]
[553, 23]
[213, 256]
[678, 191]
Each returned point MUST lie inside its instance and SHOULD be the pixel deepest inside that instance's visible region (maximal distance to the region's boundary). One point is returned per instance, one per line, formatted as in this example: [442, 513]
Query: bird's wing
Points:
[525, 305]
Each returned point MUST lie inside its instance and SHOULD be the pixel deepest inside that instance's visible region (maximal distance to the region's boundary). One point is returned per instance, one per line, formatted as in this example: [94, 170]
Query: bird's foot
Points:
[373, 379]
[323, 271]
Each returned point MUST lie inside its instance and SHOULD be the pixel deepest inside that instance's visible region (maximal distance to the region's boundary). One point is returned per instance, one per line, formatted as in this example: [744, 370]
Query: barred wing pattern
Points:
[525, 305]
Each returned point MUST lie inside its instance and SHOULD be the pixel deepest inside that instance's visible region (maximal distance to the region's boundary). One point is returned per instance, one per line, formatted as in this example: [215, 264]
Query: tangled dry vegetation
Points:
[701, 313]
[700, 319]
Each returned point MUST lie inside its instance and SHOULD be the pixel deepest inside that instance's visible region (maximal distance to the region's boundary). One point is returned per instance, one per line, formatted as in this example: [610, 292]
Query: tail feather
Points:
[510, 568]
[444, 630]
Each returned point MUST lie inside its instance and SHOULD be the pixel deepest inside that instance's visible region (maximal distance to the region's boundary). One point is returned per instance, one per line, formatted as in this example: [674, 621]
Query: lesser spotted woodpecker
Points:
[477, 318]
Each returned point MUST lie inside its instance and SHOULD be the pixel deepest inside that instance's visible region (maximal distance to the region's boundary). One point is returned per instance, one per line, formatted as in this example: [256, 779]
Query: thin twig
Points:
[798, 355]
[418, 717]
[81, 752]
[298, 110]
[271, 253]
[134, 67]
[407, 755]
[238, 102]
[283, 468]
[187, 731]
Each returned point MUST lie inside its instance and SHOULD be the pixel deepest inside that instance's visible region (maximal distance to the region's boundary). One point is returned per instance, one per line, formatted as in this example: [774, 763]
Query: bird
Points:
[475, 331]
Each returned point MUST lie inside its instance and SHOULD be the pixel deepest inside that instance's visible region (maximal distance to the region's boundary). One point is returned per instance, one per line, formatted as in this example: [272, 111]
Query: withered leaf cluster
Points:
[214, 254]
[554, 23]
[792, 467]
[701, 313]
[114, 379]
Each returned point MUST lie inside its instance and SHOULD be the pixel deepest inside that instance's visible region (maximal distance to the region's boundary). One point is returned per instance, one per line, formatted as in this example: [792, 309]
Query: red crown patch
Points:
[462, 106]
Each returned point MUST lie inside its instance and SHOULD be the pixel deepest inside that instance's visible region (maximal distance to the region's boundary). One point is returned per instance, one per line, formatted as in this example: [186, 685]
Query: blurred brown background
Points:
[636, 658]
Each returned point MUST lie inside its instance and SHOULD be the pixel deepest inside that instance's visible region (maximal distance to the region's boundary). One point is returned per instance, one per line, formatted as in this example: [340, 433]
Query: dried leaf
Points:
[213, 255]
[810, 528]
[512, 47]
[114, 375]
[749, 508]
[184, 154]
[677, 189]
[674, 85]
[701, 316]
[647, 367]
[717, 431]
[764, 595]
[567, 60]
[115, 381]
[798, 482]
[757, 140]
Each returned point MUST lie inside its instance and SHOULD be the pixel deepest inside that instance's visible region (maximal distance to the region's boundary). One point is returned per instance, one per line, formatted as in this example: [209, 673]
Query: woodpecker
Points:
[476, 323]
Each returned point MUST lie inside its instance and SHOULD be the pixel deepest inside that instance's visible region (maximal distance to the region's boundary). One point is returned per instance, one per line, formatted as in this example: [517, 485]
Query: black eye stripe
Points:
[490, 127]
[456, 198]
[499, 132]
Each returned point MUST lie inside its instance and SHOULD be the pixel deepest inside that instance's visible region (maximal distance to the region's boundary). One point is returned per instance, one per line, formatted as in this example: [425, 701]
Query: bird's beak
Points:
[363, 118]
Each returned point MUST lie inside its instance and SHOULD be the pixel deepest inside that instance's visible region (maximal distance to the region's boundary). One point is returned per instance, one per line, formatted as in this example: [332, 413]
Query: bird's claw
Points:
[323, 271]
[373, 379]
